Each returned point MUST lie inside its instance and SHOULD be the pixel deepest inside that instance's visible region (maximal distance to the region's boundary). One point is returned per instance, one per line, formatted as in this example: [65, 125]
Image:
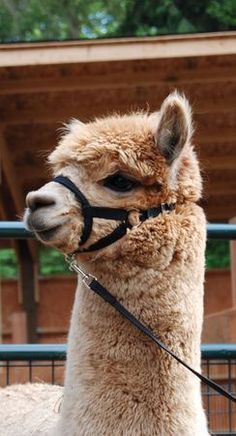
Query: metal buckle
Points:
[73, 266]
[162, 207]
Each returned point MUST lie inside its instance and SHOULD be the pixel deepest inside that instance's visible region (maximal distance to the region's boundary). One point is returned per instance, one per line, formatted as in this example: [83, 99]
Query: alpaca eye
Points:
[119, 183]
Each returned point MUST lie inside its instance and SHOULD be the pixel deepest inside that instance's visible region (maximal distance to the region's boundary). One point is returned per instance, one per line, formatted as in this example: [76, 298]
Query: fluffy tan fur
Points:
[117, 382]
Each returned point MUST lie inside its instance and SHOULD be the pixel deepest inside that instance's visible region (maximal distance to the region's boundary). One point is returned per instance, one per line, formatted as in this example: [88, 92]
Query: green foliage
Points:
[223, 12]
[51, 262]
[217, 254]
[33, 20]
[149, 17]
[8, 263]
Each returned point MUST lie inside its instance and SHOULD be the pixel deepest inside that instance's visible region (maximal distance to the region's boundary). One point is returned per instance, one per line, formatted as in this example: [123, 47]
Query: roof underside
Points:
[44, 85]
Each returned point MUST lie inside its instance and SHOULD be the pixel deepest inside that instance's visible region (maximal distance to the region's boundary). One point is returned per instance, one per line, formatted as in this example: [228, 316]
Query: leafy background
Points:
[37, 20]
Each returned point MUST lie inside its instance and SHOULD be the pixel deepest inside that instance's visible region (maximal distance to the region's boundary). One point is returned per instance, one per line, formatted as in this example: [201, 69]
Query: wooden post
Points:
[233, 265]
[0, 311]
[19, 327]
[27, 282]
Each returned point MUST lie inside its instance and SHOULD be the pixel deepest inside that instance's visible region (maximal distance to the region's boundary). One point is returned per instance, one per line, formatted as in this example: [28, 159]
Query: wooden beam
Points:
[27, 285]
[219, 163]
[4, 243]
[26, 134]
[26, 250]
[221, 189]
[11, 177]
[88, 103]
[175, 72]
[19, 328]
[218, 215]
[233, 264]
[14, 188]
[219, 207]
[205, 44]
[34, 147]
[3, 213]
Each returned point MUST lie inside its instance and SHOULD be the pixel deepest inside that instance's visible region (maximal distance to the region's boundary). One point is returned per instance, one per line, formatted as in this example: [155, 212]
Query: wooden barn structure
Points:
[43, 85]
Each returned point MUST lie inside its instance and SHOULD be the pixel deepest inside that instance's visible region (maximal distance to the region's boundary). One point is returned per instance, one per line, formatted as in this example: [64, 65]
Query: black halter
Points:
[89, 212]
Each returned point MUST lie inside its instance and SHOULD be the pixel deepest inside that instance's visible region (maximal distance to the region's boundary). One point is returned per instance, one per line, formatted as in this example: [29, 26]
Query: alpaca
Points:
[117, 382]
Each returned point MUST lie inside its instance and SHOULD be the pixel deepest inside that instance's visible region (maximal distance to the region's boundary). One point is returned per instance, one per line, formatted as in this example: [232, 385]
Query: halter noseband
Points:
[89, 212]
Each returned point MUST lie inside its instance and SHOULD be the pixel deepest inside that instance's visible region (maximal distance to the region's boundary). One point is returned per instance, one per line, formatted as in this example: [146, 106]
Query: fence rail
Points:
[18, 352]
[16, 230]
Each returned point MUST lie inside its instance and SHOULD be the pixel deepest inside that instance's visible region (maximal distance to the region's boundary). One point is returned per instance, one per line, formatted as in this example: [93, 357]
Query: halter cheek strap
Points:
[89, 212]
[85, 206]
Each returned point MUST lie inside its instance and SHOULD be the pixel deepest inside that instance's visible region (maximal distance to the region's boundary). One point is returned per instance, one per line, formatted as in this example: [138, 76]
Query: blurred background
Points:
[85, 59]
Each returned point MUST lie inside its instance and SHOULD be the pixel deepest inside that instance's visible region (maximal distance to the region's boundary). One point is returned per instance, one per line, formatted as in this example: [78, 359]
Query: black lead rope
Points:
[93, 284]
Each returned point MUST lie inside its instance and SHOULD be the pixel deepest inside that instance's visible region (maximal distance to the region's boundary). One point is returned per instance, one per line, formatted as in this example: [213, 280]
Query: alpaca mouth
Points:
[41, 229]
[46, 234]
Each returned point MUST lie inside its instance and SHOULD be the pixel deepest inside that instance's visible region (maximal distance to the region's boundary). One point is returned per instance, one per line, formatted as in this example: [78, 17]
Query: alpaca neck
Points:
[111, 364]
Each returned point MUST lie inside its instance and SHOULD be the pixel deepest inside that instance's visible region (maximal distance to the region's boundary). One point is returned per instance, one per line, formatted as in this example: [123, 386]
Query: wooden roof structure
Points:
[43, 85]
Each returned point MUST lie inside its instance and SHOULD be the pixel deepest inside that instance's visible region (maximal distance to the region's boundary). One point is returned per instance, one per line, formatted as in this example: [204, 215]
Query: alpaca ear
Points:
[174, 127]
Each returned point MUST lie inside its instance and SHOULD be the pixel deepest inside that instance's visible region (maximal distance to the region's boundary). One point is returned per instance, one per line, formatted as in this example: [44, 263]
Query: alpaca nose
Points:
[37, 200]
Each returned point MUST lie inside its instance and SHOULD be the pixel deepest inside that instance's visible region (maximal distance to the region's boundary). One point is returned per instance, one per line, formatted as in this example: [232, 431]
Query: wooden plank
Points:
[217, 180]
[174, 71]
[19, 328]
[15, 189]
[7, 200]
[220, 206]
[33, 147]
[4, 243]
[220, 146]
[219, 163]
[119, 49]
[27, 281]
[87, 103]
[3, 212]
[27, 285]
[233, 264]
[218, 215]
[187, 69]
[12, 180]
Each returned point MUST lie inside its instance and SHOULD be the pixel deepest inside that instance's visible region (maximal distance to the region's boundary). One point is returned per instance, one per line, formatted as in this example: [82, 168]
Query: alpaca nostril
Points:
[36, 201]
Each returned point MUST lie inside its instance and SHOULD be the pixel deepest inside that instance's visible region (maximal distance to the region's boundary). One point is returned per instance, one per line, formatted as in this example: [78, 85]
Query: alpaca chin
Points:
[41, 229]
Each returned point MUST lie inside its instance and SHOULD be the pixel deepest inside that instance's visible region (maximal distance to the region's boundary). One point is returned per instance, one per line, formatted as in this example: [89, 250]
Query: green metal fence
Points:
[45, 362]
[16, 352]
[15, 229]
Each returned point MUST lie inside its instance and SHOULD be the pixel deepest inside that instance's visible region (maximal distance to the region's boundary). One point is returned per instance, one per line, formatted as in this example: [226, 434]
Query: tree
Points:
[151, 17]
[33, 20]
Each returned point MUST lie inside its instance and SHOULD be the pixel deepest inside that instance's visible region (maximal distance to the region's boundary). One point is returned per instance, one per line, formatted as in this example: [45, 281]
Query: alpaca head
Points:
[132, 162]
